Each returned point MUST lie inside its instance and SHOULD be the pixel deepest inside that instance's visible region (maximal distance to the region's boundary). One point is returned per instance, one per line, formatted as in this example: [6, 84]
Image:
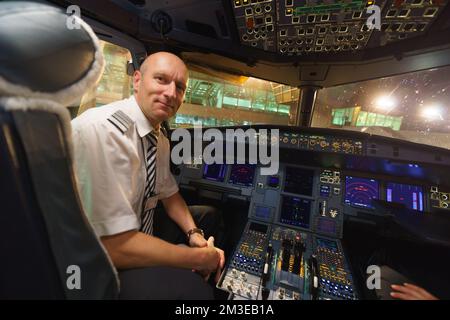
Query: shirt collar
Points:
[143, 126]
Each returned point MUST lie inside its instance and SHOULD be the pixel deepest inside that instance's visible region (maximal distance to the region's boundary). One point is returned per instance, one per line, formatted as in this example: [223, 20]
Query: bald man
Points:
[122, 168]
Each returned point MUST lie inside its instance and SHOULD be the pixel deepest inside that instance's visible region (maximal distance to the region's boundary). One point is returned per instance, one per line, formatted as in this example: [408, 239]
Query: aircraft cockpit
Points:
[318, 128]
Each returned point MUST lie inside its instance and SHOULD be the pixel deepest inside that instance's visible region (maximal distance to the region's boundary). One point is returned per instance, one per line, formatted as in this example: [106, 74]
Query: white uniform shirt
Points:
[110, 165]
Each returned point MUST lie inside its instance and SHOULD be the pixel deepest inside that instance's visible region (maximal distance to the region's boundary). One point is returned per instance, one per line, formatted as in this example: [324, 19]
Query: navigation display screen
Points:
[215, 172]
[242, 174]
[299, 181]
[295, 211]
[409, 195]
[359, 192]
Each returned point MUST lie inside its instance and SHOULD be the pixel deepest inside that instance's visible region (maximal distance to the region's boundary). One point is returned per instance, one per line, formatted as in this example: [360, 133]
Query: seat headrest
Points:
[41, 57]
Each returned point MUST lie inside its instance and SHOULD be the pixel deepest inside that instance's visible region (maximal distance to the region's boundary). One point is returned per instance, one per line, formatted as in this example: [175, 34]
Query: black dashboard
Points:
[294, 223]
[344, 170]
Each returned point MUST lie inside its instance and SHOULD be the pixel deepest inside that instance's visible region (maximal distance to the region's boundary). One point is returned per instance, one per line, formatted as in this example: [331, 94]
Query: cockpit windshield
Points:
[216, 99]
[412, 107]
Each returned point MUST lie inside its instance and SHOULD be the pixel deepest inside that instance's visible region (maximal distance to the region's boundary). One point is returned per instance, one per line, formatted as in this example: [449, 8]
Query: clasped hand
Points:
[215, 260]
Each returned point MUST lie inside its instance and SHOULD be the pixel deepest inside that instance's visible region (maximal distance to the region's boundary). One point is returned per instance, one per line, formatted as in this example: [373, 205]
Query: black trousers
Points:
[206, 217]
[168, 283]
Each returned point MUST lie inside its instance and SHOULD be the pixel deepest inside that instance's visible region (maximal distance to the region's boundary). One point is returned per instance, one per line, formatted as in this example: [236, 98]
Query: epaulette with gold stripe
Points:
[121, 121]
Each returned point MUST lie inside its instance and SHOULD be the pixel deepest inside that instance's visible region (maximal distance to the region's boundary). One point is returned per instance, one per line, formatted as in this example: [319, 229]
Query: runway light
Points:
[432, 113]
[385, 103]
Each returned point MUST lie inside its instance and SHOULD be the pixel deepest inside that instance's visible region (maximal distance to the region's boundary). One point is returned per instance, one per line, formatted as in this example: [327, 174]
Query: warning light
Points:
[250, 23]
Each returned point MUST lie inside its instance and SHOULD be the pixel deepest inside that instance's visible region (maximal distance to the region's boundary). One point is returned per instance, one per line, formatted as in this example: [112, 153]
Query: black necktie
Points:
[150, 159]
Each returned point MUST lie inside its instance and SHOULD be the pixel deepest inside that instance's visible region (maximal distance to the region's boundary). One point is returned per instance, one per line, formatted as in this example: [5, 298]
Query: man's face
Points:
[160, 86]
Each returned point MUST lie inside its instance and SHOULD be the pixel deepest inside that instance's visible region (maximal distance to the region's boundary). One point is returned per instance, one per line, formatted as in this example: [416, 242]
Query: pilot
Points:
[122, 168]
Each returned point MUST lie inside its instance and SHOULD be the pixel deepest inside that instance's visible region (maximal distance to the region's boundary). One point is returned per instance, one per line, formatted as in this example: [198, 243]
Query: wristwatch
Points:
[194, 230]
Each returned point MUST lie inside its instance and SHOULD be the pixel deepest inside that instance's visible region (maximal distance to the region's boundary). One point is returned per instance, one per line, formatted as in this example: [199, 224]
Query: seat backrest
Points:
[48, 249]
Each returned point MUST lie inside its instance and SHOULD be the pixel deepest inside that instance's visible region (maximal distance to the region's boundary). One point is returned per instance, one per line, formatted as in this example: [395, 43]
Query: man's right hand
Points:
[221, 258]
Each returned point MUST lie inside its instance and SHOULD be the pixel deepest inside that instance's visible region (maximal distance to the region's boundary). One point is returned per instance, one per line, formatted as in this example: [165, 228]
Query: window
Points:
[217, 99]
[414, 107]
[115, 84]
[212, 98]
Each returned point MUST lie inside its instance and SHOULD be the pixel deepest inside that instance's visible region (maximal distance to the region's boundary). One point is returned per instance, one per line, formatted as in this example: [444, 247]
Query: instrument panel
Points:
[290, 247]
[323, 143]
[310, 198]
[278, 263]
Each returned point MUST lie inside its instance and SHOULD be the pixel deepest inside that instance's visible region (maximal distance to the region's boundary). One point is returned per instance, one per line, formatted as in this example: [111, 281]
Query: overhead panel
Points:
[298, 27]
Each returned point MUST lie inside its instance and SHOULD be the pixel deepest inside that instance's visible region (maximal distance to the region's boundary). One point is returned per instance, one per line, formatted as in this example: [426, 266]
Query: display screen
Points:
[409, 195]
[273, 181]
[326, 225]
[329, 244]
[299, 181]
[262, 228]
[242, 174]
[262, 212]
[325, 191]
[295, 211]
[215, 172]
[359, 192]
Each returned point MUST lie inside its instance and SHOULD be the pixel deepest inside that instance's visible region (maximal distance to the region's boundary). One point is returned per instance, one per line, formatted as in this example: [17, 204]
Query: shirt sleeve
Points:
[100, 156]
